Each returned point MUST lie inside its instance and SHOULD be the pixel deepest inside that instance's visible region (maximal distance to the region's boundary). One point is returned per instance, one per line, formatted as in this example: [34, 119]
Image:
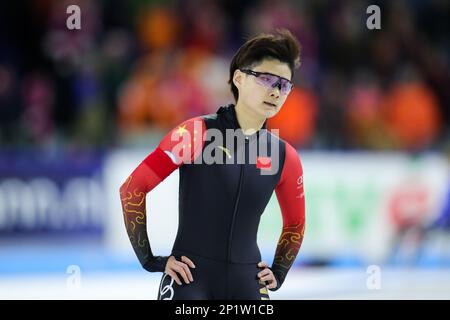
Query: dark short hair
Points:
[281, 45]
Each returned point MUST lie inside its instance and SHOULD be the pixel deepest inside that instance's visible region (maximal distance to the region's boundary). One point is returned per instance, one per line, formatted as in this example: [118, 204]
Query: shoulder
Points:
[189, 128]
[292, 156]
[184, 142]
[291, 151]
[190, 125]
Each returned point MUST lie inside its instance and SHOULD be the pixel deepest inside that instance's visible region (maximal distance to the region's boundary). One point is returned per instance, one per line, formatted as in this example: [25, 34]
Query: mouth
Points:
[270, 104]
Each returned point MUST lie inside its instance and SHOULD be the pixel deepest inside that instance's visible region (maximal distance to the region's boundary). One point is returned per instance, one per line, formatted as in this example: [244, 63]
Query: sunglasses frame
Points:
[276, 84]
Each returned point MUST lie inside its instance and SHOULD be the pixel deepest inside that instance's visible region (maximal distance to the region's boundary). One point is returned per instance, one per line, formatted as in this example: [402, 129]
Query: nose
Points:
[275, 92]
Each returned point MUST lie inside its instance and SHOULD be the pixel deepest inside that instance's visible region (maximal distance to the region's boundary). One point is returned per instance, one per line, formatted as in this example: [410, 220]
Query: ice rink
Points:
[305, 284]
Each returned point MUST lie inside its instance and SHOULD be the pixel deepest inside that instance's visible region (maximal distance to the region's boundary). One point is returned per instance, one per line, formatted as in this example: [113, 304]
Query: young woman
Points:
[229, 166]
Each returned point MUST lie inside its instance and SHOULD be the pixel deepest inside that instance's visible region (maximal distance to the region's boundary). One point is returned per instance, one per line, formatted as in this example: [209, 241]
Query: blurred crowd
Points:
[139, 67]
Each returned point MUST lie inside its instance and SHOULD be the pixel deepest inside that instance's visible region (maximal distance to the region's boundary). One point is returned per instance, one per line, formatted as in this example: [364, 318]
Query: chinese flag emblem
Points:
[263, 163]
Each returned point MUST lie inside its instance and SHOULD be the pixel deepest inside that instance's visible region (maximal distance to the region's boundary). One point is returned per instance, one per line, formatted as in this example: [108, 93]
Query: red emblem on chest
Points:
[263, 163]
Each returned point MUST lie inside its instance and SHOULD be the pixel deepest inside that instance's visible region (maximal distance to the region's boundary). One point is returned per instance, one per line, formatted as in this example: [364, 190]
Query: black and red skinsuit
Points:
[220, 205]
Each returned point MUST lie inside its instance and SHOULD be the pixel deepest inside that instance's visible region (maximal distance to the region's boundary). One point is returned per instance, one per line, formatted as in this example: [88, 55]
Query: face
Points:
[262, 101]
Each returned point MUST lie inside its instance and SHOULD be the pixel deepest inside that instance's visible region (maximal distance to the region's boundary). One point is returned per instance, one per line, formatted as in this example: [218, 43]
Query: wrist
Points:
[277, 277]
[156, 264]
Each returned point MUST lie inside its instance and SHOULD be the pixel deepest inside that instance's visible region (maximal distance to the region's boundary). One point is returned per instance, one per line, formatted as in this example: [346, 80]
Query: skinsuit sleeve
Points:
[291, 198]
[181, 145]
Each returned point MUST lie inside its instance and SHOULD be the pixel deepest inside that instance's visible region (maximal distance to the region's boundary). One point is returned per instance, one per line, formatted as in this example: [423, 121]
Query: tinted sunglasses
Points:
[270, 81]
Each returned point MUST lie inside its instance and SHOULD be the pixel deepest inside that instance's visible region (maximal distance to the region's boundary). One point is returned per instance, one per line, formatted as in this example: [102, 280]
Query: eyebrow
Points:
[273, 75]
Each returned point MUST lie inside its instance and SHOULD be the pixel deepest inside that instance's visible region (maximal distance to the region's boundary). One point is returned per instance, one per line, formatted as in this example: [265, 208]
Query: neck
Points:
[249, 121]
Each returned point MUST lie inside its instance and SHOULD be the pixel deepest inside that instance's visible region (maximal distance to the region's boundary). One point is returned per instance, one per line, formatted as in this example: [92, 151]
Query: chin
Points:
[264, 112]
[270, 113]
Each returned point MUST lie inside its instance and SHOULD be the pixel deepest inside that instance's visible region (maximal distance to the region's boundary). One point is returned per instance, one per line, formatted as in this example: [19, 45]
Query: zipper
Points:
[241, 178]
[230, 237]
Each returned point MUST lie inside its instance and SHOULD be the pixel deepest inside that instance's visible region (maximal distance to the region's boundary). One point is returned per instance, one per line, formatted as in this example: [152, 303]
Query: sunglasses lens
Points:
[270, 81]
[267, 80]
[285, 87]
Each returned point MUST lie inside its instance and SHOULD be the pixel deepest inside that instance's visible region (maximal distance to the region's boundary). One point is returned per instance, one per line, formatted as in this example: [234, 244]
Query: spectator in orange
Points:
[297, 119]
[363, 114]
[411, 114]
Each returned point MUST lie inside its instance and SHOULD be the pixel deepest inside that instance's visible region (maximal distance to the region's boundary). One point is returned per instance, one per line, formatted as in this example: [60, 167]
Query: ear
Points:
[237, 78]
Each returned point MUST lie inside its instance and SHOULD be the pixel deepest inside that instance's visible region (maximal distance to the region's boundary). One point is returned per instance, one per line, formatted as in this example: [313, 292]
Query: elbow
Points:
[124, 187]
[295, 226]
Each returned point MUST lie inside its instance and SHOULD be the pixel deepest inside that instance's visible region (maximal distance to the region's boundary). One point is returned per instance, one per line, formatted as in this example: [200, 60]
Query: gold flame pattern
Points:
[288, 245]
[133, 206]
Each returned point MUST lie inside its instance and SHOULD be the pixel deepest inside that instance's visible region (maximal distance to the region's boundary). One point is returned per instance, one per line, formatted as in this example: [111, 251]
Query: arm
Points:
[291, 197]
[167, 157]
